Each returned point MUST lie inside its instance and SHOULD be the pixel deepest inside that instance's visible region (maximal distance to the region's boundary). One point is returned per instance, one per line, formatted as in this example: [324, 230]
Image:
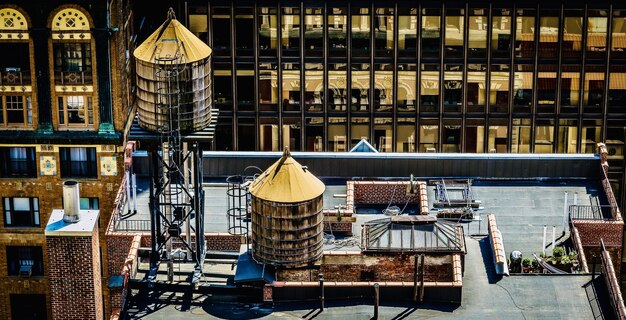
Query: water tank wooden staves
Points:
[173, 77]
[286, 212]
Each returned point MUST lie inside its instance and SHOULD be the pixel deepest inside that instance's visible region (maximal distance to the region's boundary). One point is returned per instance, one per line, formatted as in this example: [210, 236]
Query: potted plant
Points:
[534, 265]
[526, 263]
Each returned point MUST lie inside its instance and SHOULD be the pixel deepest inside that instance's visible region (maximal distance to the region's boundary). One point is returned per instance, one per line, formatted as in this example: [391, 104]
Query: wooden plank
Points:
[339, 219]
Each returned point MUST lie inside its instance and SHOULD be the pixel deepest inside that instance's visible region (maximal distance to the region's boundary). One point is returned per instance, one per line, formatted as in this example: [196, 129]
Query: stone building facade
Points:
[64, 106]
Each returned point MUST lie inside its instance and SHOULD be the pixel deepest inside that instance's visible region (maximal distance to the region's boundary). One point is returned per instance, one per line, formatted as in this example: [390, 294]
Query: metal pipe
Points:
[134, 193]
[128, 190]
[543, 247]
[321, 276]
[565, 213]
[376, 300]
[553, 237]
[575, 198]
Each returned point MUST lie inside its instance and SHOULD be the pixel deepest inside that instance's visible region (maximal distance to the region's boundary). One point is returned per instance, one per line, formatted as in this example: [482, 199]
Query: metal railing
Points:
[591, 212]
[73, 77]
[9, 78]
[612, 283]
[126, 225]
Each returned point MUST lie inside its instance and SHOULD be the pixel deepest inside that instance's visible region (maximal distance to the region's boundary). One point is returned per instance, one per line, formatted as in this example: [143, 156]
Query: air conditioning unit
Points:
[26, 271]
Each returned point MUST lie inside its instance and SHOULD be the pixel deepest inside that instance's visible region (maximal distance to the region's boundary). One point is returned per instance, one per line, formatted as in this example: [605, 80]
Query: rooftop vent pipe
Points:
[71, 201]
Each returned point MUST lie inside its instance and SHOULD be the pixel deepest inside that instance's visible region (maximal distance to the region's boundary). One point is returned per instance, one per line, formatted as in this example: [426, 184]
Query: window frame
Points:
[87, 109]
[91, 166]
[7, 171]
[16, 254]
[9, 213]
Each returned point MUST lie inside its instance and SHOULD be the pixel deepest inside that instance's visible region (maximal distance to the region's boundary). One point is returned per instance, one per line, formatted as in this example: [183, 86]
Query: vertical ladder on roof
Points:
[445, 191]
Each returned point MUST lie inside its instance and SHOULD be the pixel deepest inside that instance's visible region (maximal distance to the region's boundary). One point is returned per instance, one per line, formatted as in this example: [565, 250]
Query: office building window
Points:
[431, 33]
[268, 31]
[429, 88]
[246, 133]
[21, 212]
[314, 86]
[383, 87]
[361, 26]
[224, 130]
[75, 111]
[383, 132]
[268, 87]
[223, 86]
[221, 35]
[314, 31]
[618, 33]
[454, 33]
[591, 134]
[198, 22]
[597, 29]
[549, 34]
[452, 88]
[72, 63]
[501, 33]
[360, 86]
[523, 88]
[291, 87]
[337, 87]
[337, 32]
[244, 28]
[314, 134]
[451, 133]
[359, 130]
[572, 34]
[520, 136]
[570, 88]
[24, 261]
[290, 31]
[245, 86]
[407, 87]
[407, 32]
[475, 135]
[78, 162]
[498, 136]
[16, 110]
[292, 132]
[594, 85]
[546, 88]
[268, 134]
[617, 89]
[500, 93]
[405, 136]
[544, 136]
[567, 136]
[429, 135]
[525, 33]
[384, 32]
[615, 134]
[15, 63]
[476, 96]
[477, 38]
[337, 129]
[18, 162]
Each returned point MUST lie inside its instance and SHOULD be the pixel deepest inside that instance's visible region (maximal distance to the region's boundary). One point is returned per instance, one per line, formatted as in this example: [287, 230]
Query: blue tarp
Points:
[363, 146]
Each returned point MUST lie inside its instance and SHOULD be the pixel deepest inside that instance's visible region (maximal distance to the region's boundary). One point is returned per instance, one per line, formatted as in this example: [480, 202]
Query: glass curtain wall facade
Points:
[419, 77]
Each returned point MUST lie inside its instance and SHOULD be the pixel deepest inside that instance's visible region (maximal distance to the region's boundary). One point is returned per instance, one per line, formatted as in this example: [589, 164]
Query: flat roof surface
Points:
[521, 209]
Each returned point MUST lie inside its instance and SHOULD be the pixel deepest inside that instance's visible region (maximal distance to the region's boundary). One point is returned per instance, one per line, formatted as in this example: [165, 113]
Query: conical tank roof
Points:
[169, 40]
[287, 181]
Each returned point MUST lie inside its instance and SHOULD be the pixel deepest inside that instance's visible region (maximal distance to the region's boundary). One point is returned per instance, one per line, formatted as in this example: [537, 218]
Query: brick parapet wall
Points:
[385, 192]
[590, 233]
[582, 257]
[74, 277]
[613, 285]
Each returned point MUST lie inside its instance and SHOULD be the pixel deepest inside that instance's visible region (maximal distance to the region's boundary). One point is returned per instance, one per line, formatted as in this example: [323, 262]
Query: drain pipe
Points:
[565, 214]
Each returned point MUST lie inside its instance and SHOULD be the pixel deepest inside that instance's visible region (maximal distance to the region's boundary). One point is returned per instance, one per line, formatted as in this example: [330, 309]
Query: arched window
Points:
[16, 91]
[73, 60]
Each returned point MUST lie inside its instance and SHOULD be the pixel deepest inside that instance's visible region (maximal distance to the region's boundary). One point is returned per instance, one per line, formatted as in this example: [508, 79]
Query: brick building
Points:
[63, 113]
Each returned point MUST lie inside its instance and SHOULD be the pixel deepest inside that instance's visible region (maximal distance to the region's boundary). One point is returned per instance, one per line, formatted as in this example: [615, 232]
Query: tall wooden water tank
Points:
[287, 218]
[173, 76]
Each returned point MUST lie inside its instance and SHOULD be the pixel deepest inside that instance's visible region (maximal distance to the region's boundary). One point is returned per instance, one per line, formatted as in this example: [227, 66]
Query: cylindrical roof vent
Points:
[71, 201]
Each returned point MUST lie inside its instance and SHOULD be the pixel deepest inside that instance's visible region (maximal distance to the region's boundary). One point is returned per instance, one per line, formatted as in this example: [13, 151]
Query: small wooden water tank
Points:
[287, 218]
[173, 71]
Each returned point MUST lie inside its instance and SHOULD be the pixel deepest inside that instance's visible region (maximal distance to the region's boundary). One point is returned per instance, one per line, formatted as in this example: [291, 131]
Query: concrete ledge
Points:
[497, 246]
